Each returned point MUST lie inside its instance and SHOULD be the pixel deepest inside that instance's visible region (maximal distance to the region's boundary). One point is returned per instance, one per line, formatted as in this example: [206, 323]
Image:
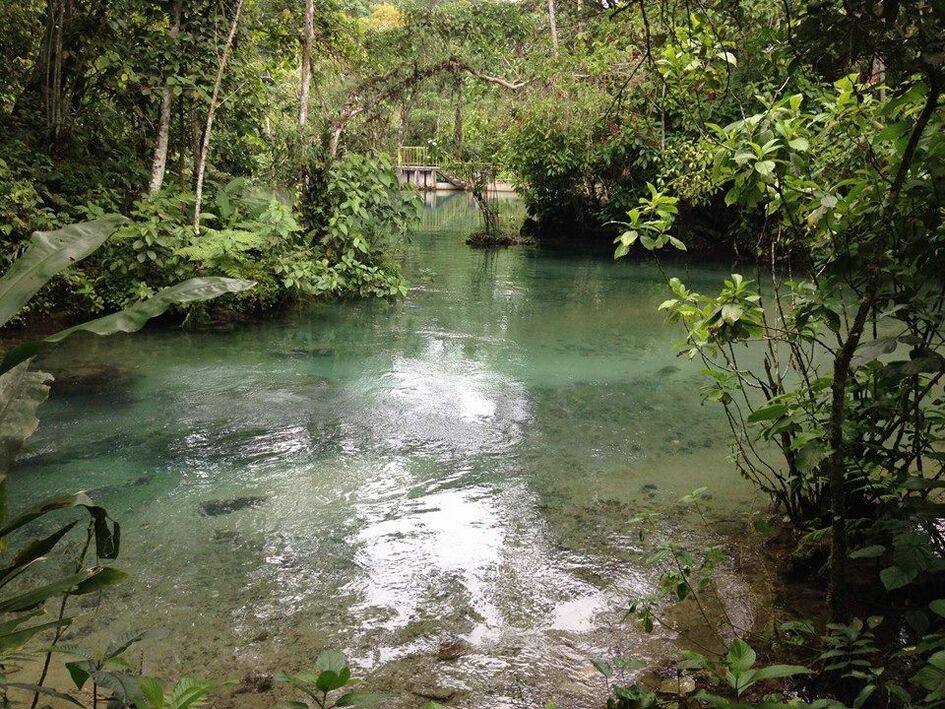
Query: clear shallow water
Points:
[461, 463]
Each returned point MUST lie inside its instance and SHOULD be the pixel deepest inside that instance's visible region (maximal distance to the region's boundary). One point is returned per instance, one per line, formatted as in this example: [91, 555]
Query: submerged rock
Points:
[432, 691]
[314, 349]
[255, 683]
[90, 379]
[451, 648]
[215, 508]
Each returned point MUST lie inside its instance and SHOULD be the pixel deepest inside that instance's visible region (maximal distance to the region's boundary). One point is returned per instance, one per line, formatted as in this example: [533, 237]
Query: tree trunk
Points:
[837, 470]
[211, 112]
[159, 162]
[837, 592]
[54, 82]
[334, 140]
[308, 35]
[307, 39]
[405, 118]
[554, 26]
[458, 118]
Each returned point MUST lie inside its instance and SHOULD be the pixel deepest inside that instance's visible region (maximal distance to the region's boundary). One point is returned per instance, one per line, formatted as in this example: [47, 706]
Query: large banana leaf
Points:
[21, 393]
[50, 253]
[133, 318]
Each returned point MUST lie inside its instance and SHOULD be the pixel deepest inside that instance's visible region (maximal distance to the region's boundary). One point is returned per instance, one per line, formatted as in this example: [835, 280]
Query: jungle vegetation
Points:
[251, 141]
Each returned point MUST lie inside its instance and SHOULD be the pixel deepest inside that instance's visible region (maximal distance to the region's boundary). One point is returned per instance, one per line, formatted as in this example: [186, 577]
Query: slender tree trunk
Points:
[211, 112]
[458, 117]
[54, 100]
[405, 118]
[307, 39]
[334, 140]
[159, 162]
[837, 471]
[554, 25]
[196, 140]
[837, 592]
[308, 36]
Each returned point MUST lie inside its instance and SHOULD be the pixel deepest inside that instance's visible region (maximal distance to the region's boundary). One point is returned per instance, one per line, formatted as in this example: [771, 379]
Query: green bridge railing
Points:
[416, 156]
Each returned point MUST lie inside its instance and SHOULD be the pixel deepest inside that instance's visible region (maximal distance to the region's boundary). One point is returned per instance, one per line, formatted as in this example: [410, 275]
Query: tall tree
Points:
[306, 72]
[201, 166]
[159, 162]
[553, 22]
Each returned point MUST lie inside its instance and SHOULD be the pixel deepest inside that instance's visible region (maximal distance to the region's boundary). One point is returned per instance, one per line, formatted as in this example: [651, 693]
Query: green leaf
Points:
[152, 691]
[101, 578]
[82, 582]
[15, 640]
[124, 641]
[765, 167]
[123, 686]
[740, 656]
[21, 393]
[767, 413]
[190, 692]
[107, 532]
[603, 667]
[46, 691]
[34, 550]
[938, 607]
[732, 313]
[133, 318]
[49, 253]
[894, 577]
[864, 696]
[932, 676]
[330, 660]
[80, 672]
[869, 552]
[360, 699]
[778, 671]
[329, 680]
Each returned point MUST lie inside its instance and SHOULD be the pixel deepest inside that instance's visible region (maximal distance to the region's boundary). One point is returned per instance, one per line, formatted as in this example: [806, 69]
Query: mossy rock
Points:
[485, 240]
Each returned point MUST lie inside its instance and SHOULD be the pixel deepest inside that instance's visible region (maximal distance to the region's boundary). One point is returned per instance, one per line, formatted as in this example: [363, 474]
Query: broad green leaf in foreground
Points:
[133, 318]
[21, 393]
[49, 253]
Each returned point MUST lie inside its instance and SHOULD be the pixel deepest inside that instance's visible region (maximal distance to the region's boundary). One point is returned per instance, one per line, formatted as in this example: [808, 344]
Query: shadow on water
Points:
[377, 477]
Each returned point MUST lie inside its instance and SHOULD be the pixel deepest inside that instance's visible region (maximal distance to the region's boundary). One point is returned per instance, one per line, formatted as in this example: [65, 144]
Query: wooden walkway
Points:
[415, 166]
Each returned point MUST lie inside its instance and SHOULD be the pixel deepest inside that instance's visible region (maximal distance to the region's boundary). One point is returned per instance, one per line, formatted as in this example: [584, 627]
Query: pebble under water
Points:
[440, 487]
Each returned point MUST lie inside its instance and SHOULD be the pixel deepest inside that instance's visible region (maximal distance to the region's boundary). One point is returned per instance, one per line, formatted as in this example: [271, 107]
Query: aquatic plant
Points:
[331, 674]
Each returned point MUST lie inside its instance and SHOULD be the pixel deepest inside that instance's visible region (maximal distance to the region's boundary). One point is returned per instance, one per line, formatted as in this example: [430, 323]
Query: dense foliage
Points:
[246, 139]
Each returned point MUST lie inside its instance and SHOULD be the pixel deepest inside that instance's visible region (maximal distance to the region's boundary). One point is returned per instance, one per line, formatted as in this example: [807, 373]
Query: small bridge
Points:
[415, 166]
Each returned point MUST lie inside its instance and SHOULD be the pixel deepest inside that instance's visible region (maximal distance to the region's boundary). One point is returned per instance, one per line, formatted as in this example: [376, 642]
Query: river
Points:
[378, 477]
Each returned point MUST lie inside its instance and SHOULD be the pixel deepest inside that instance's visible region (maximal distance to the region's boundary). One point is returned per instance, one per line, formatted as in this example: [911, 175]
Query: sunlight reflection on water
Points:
[464, 463]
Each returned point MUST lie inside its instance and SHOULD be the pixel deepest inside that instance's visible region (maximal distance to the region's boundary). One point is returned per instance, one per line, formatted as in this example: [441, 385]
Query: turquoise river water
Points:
[381, 477]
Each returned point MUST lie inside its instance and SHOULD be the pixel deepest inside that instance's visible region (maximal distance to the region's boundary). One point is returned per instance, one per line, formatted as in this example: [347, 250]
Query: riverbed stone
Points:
[315, 349]
[90, 379]
[451, 648]
[254, 682]
[432, 691]
[215, 508]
